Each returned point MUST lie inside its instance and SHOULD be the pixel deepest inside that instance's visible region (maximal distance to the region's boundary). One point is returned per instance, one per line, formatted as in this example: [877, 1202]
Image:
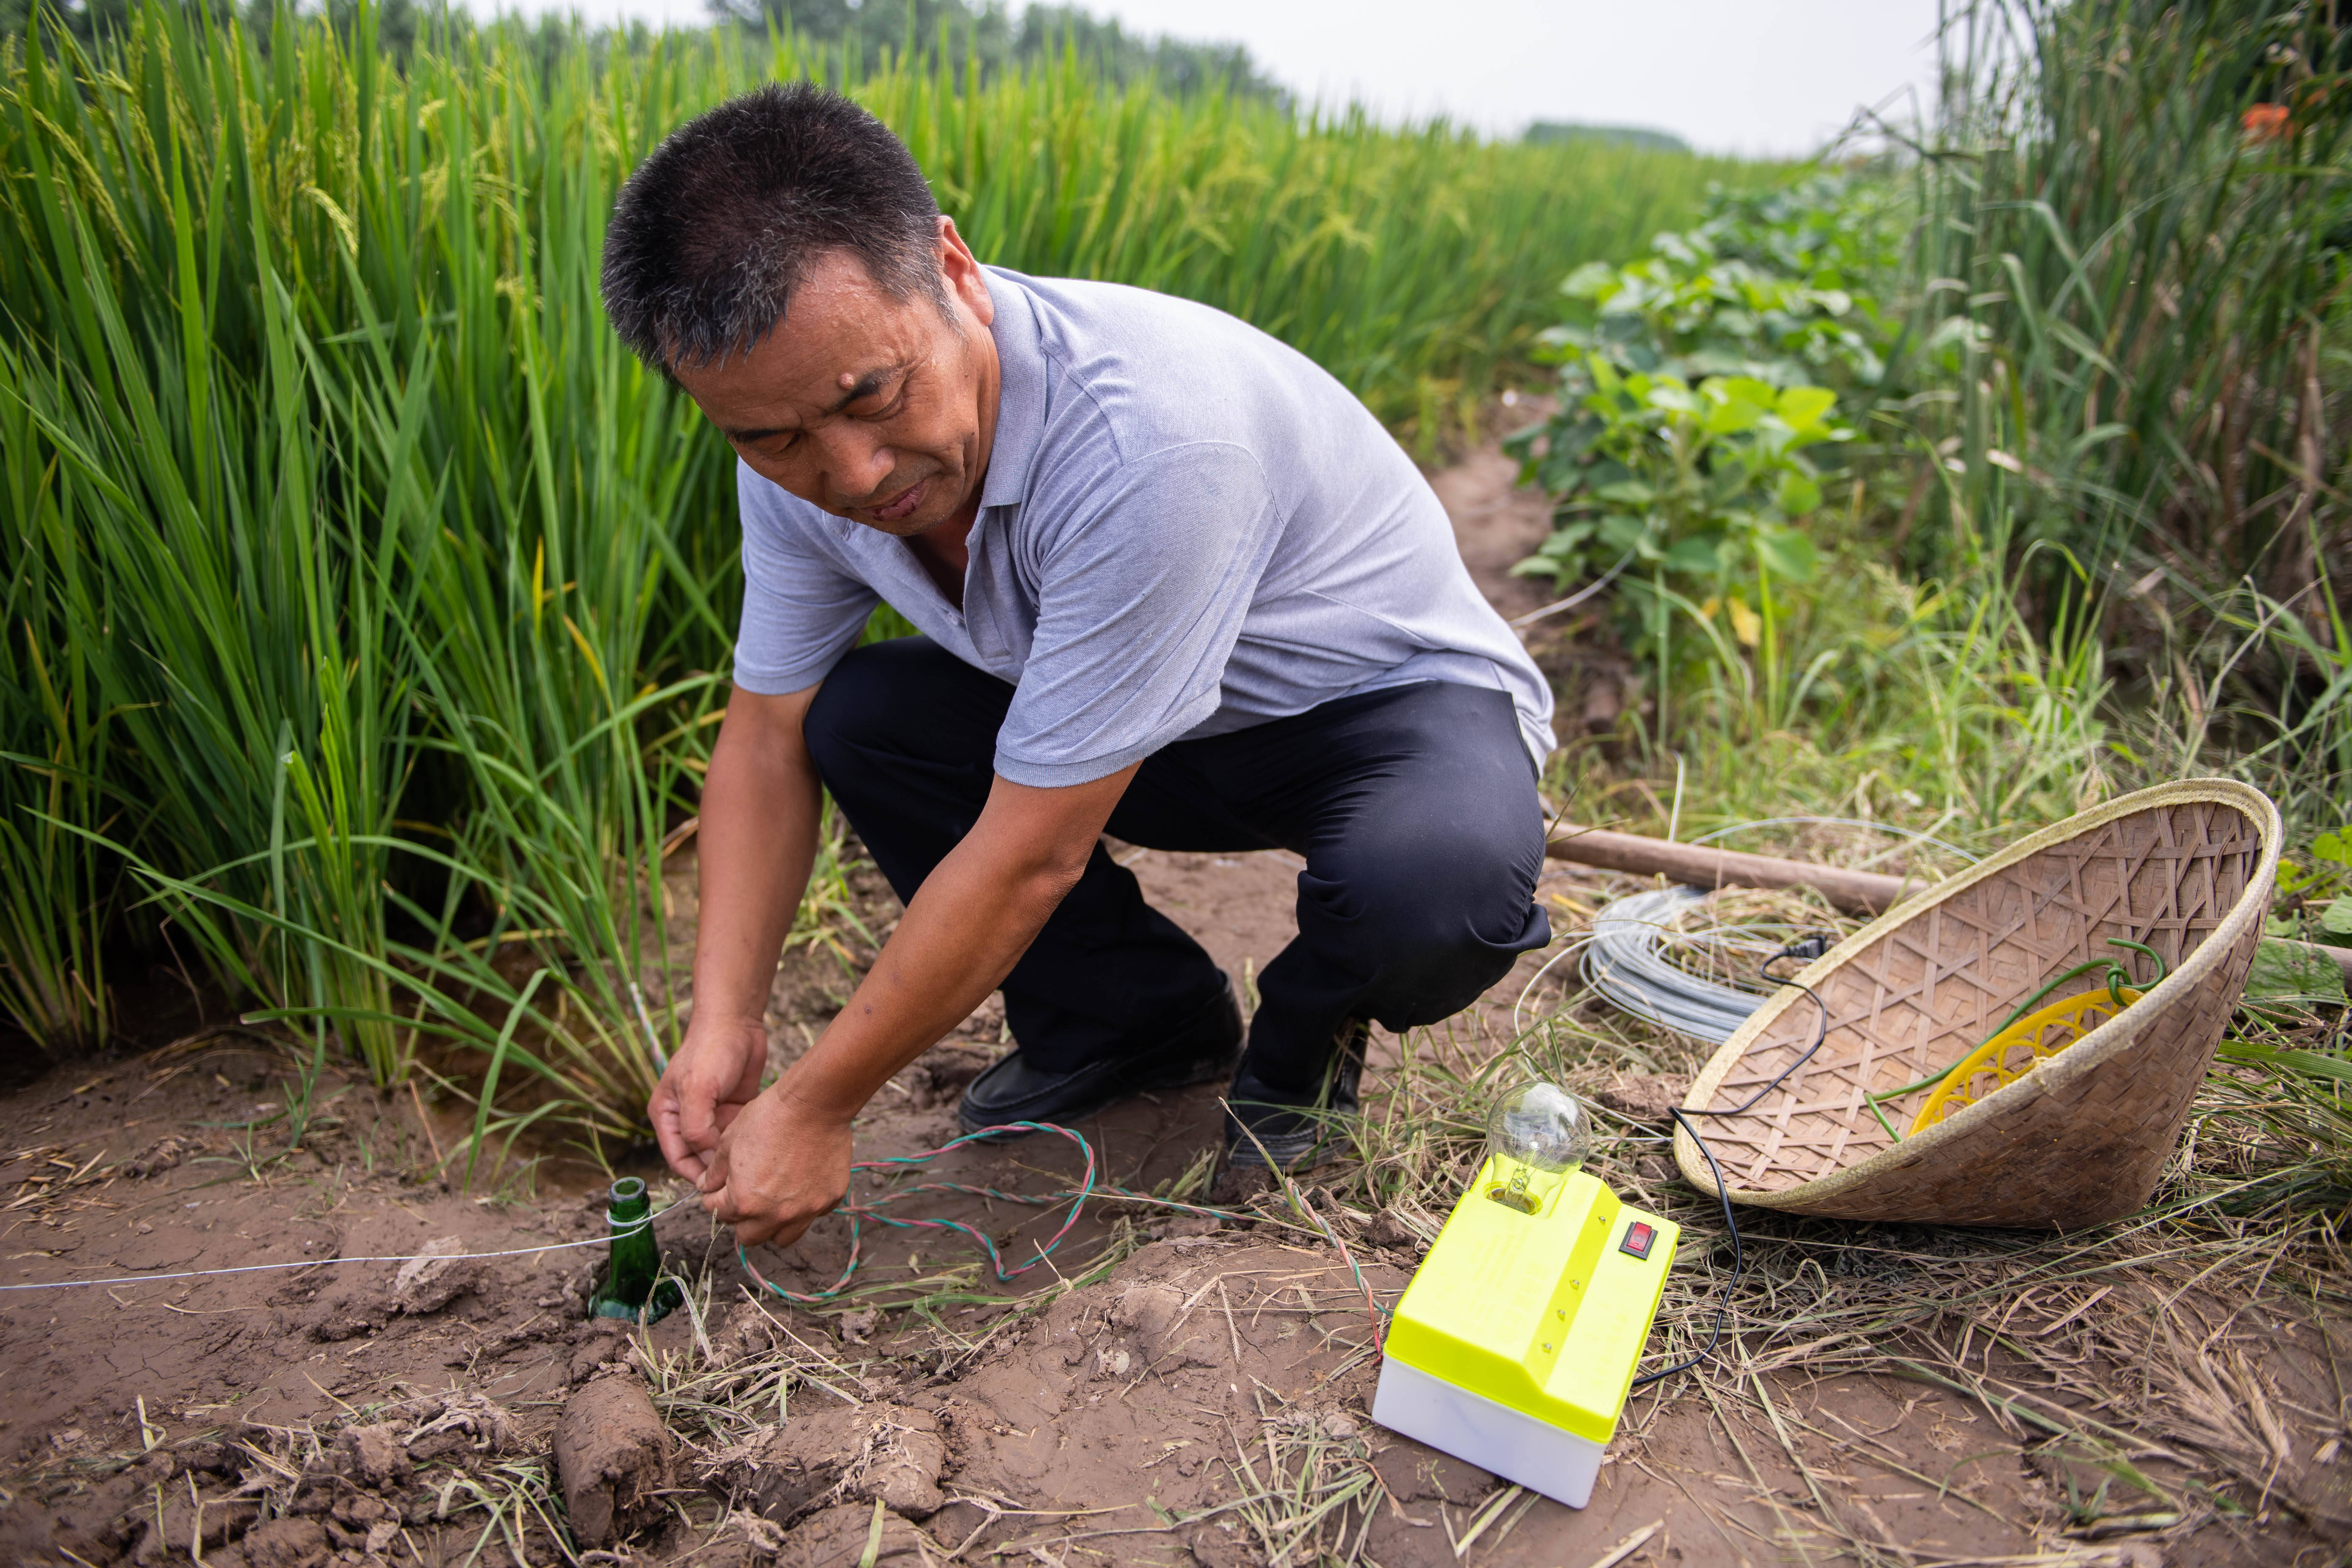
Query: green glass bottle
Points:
[634, 1288]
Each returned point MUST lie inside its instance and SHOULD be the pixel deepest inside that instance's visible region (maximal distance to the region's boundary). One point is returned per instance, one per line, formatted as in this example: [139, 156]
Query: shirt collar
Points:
[1021, 392]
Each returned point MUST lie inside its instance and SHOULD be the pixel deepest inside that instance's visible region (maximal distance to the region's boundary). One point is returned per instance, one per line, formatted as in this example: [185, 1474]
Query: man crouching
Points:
[1173, 582]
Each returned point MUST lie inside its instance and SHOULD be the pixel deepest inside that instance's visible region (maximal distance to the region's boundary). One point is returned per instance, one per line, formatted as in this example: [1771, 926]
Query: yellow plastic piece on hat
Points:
[2018, 1050]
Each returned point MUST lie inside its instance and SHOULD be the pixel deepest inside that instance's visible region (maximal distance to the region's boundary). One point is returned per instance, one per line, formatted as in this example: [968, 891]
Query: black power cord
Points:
[1813, 947]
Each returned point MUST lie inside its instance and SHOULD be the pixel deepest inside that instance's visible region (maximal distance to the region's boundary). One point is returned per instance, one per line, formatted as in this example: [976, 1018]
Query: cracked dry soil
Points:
[1203, 1401]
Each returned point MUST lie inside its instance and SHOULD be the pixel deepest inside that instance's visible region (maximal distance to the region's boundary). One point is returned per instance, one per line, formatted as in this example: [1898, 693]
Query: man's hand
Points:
[758, 839]
[780, 1167]
[712, 1080]
[785, 1160]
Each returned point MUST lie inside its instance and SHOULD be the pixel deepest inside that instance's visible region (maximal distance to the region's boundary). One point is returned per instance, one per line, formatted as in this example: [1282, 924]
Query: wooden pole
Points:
[1696, 866]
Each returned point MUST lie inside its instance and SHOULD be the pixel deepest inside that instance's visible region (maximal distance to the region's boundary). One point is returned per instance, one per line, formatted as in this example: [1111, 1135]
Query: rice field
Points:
[368, 609]
[367, 616]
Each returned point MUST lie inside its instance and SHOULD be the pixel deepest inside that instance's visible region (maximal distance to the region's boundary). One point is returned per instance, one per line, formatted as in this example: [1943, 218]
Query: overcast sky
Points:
[1756, 77]
[1728, 76]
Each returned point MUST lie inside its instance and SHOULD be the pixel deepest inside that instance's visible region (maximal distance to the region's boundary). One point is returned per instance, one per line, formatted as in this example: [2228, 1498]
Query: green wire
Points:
[2118, 977]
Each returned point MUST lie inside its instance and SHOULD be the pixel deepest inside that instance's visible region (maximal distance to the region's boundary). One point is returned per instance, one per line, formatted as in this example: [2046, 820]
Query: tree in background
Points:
[396, 20]
[991, 33]
[994, 35]
[86, 19]
[1564, 130]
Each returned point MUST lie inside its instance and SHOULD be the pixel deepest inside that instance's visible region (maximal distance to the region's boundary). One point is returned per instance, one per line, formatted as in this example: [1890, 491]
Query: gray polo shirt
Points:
[1186, 528]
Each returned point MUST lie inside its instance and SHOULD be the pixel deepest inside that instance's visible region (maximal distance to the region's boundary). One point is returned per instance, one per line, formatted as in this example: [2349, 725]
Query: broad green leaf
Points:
[1698, 557]
[2335, 846]
[2284, 970]
[1627, 492]
[1786, 553]
[1744, 389]
[1730, 417]
[1593, 280]
[1620, 532]
[1570, 535]
[1804, 406]
[1797, 495]
[2336, 919]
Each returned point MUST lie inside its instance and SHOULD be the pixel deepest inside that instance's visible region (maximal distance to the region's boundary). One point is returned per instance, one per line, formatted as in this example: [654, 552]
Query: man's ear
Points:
[961, 271]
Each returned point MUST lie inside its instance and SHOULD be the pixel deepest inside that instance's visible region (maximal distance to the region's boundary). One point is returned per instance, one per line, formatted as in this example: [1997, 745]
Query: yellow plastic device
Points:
[2019, 1049]
[1515, 1345]
[2026, 1038]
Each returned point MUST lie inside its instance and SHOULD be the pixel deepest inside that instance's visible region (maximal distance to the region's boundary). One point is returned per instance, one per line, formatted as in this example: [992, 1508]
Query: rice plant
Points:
[368, 605]
[232, 628]
[2127, 284]
[53, 724]
[2128, 250]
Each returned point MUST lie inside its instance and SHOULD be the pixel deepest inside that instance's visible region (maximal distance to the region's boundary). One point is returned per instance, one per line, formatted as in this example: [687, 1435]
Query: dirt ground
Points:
[1199, 1393]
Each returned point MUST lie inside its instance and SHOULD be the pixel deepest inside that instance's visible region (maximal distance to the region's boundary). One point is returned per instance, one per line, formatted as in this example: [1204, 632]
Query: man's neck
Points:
[945, 551]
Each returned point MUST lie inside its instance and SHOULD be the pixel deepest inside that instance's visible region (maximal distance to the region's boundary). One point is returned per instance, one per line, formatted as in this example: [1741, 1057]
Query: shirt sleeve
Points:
[1142, 588]
[801, 610]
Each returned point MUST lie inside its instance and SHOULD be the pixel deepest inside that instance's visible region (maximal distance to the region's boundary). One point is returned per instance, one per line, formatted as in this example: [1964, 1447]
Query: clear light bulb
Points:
[1537, 1133]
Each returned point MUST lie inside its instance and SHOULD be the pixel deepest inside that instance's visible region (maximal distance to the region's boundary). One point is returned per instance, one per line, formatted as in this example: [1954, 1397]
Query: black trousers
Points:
[1414, 808]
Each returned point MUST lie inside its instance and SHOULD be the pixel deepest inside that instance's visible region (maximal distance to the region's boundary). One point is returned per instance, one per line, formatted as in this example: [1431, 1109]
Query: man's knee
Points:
[1446, 914]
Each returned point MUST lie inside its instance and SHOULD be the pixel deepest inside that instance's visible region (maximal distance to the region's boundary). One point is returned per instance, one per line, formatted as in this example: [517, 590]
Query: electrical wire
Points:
[860, 1214]
[1809, 949]
[1625, 961]
[1625, 964]
[1519, 1007]
[334, 1262]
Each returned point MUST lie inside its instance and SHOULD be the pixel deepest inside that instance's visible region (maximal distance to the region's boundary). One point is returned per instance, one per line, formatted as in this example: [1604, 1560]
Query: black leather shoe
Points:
[1202, 1048]
[1283, 1129]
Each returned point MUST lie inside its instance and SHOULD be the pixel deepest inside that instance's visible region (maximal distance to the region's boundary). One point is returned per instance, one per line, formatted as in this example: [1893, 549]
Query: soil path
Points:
[1200, 1395]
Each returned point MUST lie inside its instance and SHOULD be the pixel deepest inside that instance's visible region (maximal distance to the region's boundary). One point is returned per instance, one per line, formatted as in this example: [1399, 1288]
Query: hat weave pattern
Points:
[2185, 868]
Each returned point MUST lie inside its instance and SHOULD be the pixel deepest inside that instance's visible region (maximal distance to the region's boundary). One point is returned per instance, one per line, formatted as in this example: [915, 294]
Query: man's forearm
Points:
[758, 841]
[970, 922]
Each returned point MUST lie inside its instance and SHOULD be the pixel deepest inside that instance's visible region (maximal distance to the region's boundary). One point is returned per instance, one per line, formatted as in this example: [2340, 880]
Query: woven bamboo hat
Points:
[2185, 869]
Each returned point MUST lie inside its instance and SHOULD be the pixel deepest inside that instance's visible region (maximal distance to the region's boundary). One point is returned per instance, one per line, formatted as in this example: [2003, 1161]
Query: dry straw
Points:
[2185, 869]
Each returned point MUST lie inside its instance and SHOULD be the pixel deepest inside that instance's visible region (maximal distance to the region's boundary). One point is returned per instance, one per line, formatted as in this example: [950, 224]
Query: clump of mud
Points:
[612, 1457]
[271, 1498]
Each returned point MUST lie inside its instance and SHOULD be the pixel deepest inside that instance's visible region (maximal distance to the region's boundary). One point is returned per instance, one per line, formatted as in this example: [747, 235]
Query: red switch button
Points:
[1639, 1239]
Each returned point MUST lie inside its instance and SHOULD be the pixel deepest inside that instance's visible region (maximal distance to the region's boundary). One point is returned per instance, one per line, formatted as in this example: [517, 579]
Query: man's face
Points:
[879, 410]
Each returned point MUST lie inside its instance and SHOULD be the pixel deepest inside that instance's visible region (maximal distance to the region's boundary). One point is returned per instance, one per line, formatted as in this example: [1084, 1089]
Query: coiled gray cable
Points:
[1626, 964]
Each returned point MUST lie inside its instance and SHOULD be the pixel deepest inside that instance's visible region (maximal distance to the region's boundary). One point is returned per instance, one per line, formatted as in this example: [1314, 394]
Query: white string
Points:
[331, 1262]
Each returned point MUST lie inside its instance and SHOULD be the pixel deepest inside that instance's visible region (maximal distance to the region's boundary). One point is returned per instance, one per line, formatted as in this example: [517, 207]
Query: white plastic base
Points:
[1518, 1448]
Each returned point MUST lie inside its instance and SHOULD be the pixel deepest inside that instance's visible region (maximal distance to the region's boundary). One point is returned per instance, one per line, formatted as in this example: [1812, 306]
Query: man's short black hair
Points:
[715, 231]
